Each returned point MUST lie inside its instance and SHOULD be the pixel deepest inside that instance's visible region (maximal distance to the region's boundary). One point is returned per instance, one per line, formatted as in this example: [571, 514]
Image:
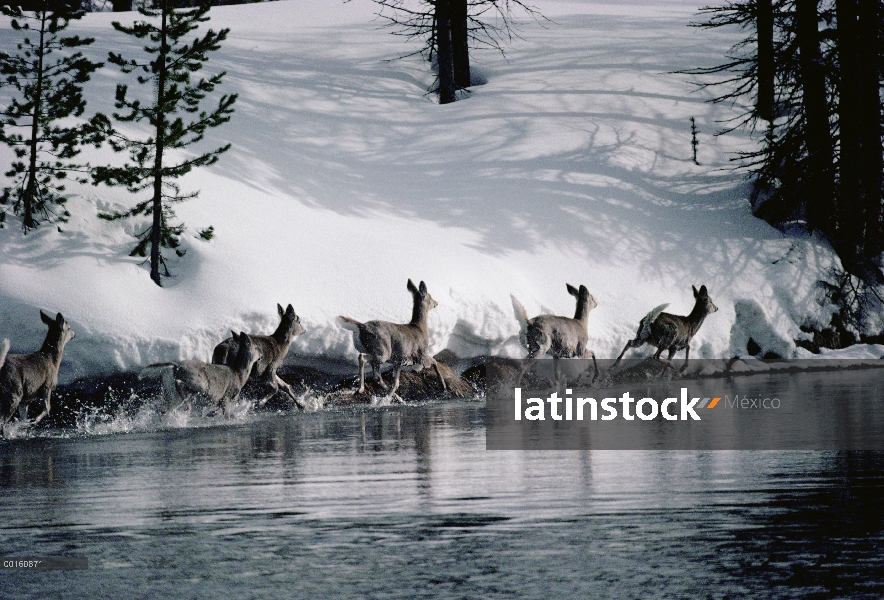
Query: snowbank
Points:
[571, 164]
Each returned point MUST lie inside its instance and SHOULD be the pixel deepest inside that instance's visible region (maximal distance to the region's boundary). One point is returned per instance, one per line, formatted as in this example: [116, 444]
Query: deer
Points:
[273, 349]
[221, 384]
[380, 341]
[672, 332]
[560, 337]
[25, 378]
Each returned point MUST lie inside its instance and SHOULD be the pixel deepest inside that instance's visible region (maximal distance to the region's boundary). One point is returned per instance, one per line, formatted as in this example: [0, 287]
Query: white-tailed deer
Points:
[672, 332]
[273, 349]
[380, 341]
[28, 377]
[560, 337]
[220, 384]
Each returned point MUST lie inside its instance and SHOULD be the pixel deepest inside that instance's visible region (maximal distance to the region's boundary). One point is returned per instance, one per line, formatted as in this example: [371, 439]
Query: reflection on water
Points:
[405, 502]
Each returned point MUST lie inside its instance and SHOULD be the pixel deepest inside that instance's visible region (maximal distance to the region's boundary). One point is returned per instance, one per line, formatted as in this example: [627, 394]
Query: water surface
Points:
[405, 502]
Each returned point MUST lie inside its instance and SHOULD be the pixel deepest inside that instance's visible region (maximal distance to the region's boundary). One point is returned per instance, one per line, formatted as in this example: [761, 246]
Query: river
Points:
[406, 502]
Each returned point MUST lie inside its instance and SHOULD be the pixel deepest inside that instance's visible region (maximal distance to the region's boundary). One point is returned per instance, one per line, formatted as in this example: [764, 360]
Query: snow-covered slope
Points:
[570, 163]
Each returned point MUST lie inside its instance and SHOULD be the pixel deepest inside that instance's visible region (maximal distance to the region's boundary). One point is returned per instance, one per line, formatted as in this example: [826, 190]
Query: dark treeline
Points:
[813, 70]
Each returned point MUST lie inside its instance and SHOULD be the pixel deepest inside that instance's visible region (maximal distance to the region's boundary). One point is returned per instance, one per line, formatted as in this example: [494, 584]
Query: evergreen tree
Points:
[174, 118]
[47, 75]
[821, 157]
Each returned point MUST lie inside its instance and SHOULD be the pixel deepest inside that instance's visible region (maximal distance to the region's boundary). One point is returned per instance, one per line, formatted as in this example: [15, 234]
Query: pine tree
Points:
[47, 75]
[174, 118]
[819, 65]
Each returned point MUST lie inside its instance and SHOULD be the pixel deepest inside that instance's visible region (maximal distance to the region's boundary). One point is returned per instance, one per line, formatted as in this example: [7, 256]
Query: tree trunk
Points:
[872, 166]
[122, 5]
[849, 206]
[816, 170]
[156, 231]
[443, 52]
[764, 22]
[460, 43]
[30, 192]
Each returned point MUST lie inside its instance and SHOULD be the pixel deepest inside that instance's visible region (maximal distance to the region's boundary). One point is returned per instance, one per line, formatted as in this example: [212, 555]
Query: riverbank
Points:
[330, 385]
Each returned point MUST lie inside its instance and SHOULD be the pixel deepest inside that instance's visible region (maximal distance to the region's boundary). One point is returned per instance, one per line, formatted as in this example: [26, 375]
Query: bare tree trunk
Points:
[816, 173]
[764, 23]
[460, 43]
[122, 5]
[443, 52]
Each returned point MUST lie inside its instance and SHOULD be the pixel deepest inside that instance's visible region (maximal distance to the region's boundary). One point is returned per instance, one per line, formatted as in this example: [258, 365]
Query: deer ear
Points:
[279, 310]
[244, 339]
[696, 293]
[584, 290]
[234, 335]
[571, 289]
[423, 289]
[411, 287]
[290, 310]
[59, 319]
[703, 291]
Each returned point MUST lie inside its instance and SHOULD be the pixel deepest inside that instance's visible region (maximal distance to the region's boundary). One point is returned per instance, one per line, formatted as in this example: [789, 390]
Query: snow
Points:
[571, 164]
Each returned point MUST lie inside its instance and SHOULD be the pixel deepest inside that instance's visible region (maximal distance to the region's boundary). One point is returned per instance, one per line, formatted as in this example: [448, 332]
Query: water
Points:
[405, 502]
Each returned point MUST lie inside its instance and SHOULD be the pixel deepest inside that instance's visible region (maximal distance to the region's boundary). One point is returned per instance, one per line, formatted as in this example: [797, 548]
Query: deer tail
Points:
[522, 318]
[4, 350]
[644, 328]
[521, 314]
[348, 323]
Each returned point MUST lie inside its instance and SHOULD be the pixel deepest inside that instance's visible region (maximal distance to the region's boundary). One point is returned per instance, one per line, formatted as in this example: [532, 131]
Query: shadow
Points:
[600, 151]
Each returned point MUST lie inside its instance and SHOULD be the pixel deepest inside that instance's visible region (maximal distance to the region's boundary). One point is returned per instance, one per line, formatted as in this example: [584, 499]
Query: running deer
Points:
[672, 332]
[28, 377]
[379, 341]
[221, 384]
[272, 348]
[560, 337]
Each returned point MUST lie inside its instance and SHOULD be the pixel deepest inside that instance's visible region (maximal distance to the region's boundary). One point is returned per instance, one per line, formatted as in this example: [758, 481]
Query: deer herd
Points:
[27, 378]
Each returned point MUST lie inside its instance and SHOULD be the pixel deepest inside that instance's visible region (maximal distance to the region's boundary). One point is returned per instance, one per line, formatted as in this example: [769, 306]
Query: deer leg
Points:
[595, 365]
[288, 390]
[46, 396]
[361, 389]
[376, 367]
[525, 368]
[392, 393]
[630, 344]
[22, 412]
[227, 401]
[557, 372]
[439, 374]
[687, 353]
[180, 398]
[6, 416]
[275, 382]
